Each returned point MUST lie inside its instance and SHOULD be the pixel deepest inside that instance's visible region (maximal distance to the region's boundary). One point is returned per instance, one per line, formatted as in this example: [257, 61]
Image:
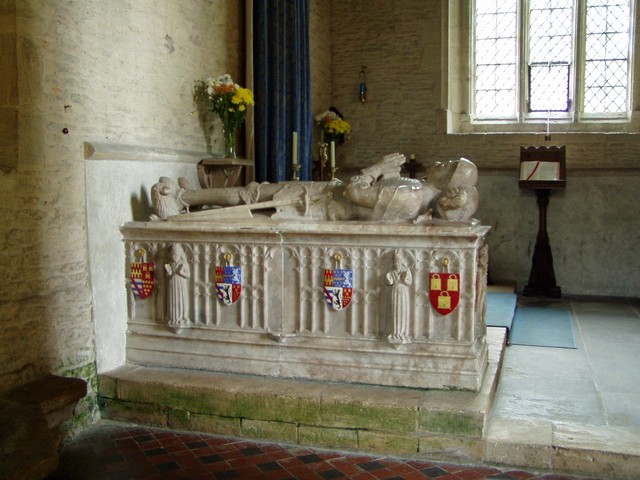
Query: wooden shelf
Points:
[221, 172]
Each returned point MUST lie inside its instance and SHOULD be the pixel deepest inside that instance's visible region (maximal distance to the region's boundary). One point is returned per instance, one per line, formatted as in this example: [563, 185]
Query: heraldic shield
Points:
[444, 292]
[142, 279]
[338, 287]
[228, 284]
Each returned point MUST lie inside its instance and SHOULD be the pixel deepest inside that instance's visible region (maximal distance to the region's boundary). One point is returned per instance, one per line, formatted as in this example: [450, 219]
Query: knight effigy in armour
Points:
[378, 193]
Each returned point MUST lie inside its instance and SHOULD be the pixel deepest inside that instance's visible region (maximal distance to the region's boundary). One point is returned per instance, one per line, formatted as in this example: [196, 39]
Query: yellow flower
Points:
[242, 96]
[339, 126]
[332, 124]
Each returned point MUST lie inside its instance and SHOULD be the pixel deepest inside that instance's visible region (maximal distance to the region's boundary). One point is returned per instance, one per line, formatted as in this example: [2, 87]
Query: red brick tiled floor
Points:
[119, 452]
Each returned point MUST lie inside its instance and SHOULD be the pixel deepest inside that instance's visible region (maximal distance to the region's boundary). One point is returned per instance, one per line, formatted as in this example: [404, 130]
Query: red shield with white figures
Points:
[444, 292]
[142, 279]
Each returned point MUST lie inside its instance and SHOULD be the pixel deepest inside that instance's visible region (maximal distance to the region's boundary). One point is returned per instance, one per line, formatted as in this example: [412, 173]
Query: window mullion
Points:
[523, 58]
[632, 41]
[579, 59]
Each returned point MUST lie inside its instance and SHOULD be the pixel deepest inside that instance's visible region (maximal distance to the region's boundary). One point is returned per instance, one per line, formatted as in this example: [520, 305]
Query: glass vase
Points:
[229, 134]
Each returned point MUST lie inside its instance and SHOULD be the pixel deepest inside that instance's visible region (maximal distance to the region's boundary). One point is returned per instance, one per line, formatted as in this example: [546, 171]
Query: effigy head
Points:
[439, 174]
[465, 174]
[459, 198]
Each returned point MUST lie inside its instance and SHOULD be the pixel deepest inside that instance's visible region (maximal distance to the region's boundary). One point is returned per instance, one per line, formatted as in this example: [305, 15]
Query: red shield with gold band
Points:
[444, 292]
[142, 279]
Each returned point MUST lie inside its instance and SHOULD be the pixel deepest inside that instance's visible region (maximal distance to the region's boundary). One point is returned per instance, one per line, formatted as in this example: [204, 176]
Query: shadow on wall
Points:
[141, 207]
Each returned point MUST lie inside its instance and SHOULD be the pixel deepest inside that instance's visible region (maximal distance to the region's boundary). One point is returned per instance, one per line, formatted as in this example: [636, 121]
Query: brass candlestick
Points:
[296, 175]
[324, 156]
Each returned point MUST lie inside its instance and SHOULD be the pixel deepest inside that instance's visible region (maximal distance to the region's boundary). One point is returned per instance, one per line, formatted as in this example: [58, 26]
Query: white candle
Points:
[295, 149]
[333, 154]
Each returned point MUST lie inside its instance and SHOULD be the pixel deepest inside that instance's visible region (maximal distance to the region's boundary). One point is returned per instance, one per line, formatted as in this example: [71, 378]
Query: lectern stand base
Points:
[542, 279]
[551, 292]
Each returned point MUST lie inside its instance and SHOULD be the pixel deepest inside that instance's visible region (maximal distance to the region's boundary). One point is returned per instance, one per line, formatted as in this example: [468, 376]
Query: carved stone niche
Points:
[327, 301]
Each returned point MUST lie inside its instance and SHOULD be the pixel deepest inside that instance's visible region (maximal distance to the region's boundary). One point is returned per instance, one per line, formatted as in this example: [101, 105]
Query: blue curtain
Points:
[282, 88]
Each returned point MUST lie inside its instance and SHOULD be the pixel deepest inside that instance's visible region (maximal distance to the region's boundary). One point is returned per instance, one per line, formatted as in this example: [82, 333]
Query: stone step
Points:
[601, 451]
[437, 423]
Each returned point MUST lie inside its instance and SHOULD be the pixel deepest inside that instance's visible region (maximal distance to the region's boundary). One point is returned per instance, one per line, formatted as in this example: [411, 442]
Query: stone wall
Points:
[591, 228]
[321, 42]
[117, 72]
[8, 87]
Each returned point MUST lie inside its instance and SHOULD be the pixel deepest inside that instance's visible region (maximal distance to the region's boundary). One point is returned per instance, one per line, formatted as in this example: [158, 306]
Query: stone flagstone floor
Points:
[112, 451]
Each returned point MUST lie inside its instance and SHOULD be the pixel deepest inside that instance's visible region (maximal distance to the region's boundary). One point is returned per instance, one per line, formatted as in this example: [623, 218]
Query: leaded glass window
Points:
[550, 54]
[496, 51]
[551, 57]
[606, 56]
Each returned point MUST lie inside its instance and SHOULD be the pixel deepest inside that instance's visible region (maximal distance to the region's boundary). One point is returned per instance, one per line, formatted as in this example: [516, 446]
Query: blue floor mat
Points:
[543, 327]
[500, 309]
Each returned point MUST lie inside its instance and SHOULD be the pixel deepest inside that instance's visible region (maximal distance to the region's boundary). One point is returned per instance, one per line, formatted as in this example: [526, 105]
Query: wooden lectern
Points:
[542, 169]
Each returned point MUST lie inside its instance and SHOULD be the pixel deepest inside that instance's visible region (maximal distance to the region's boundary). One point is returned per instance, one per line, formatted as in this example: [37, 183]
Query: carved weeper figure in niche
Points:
[400, 279]
[178, 272]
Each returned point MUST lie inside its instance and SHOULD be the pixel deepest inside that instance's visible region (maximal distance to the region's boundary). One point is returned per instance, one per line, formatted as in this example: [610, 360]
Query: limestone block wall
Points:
[591, 227]
[118, 72]
[321, 42]
[8, 87]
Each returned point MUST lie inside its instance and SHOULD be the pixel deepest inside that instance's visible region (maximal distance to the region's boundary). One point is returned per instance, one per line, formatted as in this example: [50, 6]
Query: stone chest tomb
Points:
[369, 295]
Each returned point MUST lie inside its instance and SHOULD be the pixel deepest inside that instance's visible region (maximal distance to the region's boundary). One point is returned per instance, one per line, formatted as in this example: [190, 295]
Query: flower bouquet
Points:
[227, 99]
[334, 127]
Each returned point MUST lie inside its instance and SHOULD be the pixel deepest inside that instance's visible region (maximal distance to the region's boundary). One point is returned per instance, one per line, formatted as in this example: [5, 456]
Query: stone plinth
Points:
[447, 425]
[281, 325]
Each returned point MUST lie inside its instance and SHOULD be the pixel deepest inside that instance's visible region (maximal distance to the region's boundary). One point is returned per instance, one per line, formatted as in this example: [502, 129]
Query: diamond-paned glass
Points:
[603, 28]
[550, 54]
[496, 49]
[549, 87]
[606, 56]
